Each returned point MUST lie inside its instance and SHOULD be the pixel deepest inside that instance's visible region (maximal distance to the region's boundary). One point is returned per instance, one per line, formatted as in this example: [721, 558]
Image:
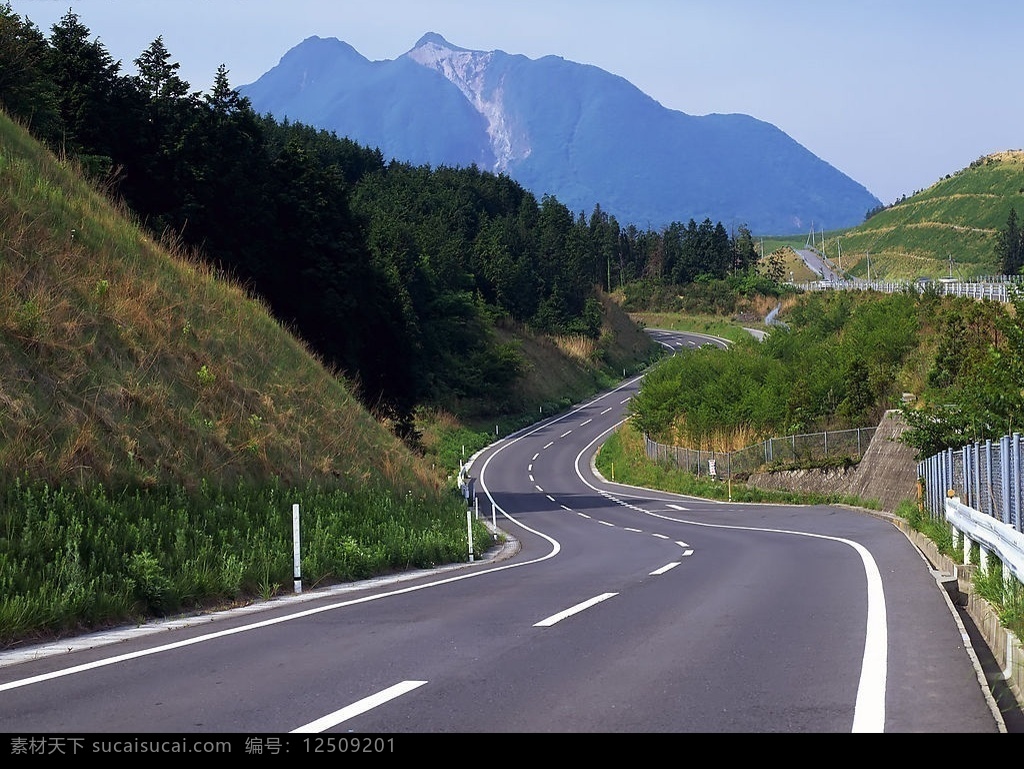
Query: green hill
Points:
[948, 227]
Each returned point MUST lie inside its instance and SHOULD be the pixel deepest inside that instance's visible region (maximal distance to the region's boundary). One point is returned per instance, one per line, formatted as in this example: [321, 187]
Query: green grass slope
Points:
[950, 226]
[123, 363]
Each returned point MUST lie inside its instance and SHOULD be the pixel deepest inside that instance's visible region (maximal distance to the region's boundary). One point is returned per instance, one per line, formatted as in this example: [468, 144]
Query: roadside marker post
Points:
[295, 551]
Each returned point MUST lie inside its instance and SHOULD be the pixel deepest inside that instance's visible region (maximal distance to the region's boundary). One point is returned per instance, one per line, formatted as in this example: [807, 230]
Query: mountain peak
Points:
[432, 38]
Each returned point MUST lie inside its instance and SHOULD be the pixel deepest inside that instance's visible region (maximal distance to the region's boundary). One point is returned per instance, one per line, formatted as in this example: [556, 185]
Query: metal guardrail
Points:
[985, 477]
[978, 491]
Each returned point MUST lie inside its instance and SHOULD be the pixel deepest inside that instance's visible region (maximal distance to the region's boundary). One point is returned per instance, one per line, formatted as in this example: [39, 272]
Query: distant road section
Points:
[814, 261]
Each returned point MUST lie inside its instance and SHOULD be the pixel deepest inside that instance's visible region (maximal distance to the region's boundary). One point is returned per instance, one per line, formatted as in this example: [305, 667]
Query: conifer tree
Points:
[1010, 245]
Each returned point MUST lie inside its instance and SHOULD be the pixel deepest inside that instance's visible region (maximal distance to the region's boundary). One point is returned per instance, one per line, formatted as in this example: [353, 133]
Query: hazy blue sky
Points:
[894, 93]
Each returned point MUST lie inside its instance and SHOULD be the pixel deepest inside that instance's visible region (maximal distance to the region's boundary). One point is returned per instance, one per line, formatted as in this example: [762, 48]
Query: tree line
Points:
[394, 274]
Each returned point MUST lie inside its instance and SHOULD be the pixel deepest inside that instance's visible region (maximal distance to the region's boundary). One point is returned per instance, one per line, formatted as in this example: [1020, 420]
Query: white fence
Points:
[998, 288]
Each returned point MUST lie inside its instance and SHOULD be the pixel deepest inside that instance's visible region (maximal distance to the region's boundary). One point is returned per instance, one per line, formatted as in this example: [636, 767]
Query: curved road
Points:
[612, 609]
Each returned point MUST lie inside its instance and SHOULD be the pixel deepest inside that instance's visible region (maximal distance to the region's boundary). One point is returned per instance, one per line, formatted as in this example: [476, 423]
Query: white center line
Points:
[358, 708]
[663, 569]
[574, 610]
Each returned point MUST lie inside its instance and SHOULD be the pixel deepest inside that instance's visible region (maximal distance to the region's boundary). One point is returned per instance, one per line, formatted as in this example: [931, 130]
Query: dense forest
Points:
[395, 275]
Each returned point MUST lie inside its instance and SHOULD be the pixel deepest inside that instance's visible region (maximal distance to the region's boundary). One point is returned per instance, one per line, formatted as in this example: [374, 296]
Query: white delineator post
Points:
[295, 551]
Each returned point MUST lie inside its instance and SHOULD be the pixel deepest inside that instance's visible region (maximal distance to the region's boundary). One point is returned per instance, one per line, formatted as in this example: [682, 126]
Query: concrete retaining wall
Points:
[886, 474]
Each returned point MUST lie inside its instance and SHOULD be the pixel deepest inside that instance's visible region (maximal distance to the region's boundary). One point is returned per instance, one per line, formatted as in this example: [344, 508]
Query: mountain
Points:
[561, 128]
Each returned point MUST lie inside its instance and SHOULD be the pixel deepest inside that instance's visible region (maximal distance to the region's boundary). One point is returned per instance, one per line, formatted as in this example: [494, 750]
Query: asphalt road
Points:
[814, 261]
[610, 609]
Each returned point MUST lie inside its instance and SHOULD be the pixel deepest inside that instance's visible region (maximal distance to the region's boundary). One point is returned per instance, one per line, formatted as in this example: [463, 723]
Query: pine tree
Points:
[1010, 246]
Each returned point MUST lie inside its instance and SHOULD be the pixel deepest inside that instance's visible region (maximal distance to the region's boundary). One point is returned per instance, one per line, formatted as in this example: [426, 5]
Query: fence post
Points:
[1015, 519]
[1004, 473]
[965, 461]
[989, 508]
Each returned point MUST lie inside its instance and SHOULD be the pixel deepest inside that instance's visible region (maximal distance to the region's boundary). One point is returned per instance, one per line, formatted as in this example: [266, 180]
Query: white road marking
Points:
[555, 618]
[663, 569]
[537, 487]
[550, 498]
[681, 543]
[586, 422]
[605, 411]
[565, 433]
[676, 507]
[358, 708]
[638, 531]
[549, 445]
[605, 523]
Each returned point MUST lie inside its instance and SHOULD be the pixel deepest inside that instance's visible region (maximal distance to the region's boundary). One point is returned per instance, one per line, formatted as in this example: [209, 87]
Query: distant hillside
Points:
[957, 219]
[561, 128]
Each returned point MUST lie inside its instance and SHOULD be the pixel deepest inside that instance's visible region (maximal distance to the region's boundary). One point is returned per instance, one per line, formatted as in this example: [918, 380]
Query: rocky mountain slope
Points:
[557, 127]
